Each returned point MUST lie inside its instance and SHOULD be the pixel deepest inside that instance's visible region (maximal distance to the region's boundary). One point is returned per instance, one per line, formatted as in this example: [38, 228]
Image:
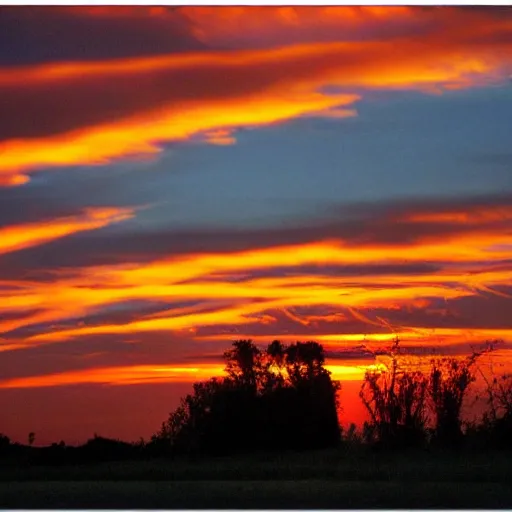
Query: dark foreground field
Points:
[310, 480]
[254, 494]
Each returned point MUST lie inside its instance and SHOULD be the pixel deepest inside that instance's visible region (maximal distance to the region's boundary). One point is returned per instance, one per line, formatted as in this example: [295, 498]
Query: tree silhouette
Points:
[243, 364]
[5, 444]
[278, 398]
[449, 381]
[396, 402]
[496, 423]
[502, 396]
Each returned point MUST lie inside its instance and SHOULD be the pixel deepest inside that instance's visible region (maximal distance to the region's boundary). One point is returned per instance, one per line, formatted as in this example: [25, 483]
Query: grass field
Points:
[254, 494]
[332, 479]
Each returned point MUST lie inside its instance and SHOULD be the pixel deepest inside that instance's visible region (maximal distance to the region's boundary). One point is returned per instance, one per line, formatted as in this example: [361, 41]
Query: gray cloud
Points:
[40, 34]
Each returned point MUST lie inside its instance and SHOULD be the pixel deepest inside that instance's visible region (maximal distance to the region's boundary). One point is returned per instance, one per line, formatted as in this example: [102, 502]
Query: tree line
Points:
[278, 398]
[282, 397]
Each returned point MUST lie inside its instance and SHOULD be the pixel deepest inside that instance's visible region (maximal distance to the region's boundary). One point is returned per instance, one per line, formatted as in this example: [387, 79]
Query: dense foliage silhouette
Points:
[278, 398]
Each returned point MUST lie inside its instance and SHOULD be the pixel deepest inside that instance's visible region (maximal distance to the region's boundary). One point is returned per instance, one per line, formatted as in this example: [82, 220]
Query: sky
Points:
[176, 178]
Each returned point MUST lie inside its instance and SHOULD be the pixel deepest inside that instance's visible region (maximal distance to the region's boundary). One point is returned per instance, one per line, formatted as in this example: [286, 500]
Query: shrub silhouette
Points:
[273, 399]
[5, 445]
[399, 401]
[496, 424]
[449, 381]
[502, 418]
[396, 402]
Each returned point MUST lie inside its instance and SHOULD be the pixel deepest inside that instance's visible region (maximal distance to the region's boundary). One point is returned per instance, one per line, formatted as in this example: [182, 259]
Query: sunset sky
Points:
[175, 178]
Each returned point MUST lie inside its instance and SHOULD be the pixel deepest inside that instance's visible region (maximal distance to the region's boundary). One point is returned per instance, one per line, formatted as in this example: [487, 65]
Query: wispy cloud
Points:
[130, 107]
[21, 236]
[409, 296]
[148, 374]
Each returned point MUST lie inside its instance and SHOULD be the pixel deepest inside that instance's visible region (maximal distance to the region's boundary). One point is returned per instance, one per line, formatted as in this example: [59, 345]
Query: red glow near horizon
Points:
[108, 317]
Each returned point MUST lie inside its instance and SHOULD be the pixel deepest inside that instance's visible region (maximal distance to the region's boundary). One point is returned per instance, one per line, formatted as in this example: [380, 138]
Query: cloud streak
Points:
[131, 107]
[17, 237]
[246, 290]
[147, 374]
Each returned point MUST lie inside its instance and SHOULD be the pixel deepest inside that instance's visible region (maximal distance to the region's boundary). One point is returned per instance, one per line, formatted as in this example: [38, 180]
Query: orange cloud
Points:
[80, 292]
[425, 337]
[220, 137]
[214, 25]
[139, 135]
[144, 374]
[119, 375]
[175, 97]
[428, 339]
[17, 237]
[480, 215]
[286, 306]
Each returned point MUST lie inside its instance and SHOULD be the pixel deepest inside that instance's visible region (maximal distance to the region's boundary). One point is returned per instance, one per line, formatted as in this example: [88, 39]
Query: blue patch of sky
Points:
[403, 144]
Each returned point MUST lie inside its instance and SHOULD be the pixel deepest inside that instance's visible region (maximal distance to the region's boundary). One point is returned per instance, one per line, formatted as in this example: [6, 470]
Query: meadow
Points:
[336, 478]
